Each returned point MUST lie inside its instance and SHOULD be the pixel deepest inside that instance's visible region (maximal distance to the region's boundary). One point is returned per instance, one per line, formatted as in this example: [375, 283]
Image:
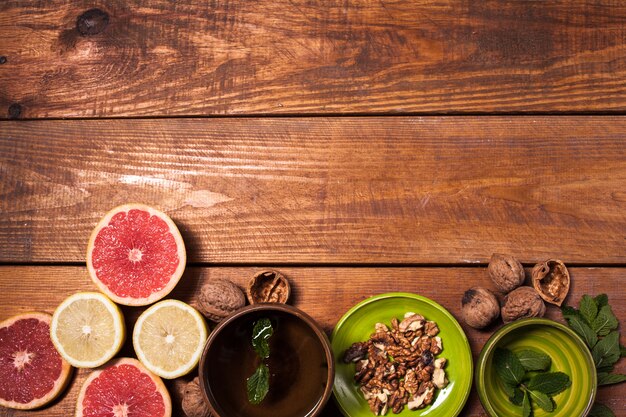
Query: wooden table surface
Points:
[359, 146]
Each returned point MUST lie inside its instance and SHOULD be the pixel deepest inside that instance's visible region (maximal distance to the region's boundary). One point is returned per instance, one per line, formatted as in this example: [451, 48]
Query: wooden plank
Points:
[325, 293]
[317, 190]
[193, 57]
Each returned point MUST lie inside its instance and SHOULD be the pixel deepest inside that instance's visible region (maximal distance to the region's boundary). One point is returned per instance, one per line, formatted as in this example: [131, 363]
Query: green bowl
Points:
[569, 355]
[357, 325]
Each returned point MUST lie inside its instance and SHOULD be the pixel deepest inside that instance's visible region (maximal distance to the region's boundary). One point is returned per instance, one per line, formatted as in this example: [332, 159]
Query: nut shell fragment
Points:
[219, 298]
[506, 272]
[521, 303]
[551, 280]
[268, 287]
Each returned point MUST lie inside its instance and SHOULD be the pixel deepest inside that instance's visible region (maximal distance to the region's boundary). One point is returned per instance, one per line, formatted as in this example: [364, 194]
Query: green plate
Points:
[568, 352]
[357, 325]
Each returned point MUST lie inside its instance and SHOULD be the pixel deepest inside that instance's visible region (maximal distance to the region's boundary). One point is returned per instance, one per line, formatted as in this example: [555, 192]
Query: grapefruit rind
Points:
[125, 361]
[155, 296]
[195, 358]
[59, 384]
[120, 329]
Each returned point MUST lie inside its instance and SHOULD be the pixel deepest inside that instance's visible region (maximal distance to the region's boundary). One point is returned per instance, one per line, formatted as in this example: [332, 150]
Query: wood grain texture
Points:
[318, 190]
[193, 57]
[325, 293]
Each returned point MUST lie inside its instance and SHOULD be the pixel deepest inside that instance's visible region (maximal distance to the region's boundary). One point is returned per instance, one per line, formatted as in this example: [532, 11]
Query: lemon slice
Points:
[169, 338]
[87, 329]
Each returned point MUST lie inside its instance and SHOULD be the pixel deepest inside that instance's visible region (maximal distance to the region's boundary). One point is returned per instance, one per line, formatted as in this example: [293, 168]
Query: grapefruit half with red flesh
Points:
[136, 255]
[123, 388]
[32, 373]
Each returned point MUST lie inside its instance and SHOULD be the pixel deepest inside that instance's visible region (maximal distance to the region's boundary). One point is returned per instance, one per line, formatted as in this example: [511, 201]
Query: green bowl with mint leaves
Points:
[536, 367]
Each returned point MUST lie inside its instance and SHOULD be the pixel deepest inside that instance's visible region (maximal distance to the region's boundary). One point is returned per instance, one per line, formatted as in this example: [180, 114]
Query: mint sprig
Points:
[526, 381]
[596, 324]
[258, 384]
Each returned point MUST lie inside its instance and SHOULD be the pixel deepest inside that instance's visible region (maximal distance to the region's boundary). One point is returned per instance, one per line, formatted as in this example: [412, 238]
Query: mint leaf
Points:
[261, 333]
[569, 311]
[605, 321]
[602, 300]
[542, 400]
[606, 352]
[534, 361]
[605, 378]
[518, 396]
[509, 389]
[526, 405]
[258, 384]
[599, 410]
[550, 383]
[588, 309]
[622, 351]
[508, 366]
[583, 330]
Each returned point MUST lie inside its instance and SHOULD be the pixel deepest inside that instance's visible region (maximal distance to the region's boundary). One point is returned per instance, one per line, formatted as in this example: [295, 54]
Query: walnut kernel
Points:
[521, 303]
[268, 287]
[219, 298]
[506, 272]
[194, 404]
[551, 280]
[479, 307]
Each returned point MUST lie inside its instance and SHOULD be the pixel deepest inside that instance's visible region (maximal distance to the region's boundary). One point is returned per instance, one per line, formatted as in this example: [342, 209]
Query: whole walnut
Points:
[219, 298]
[521, 303]
[194, 404]
[506, 272]
[479, 307]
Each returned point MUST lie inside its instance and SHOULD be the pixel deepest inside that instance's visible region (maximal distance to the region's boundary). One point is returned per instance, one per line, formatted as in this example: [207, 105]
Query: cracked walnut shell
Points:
[551, 280]
[219, 298]
[268, 287]
[506, 272]
[521, 303]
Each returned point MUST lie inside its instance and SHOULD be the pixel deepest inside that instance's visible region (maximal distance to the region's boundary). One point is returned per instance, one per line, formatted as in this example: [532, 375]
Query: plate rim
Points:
[426, 300]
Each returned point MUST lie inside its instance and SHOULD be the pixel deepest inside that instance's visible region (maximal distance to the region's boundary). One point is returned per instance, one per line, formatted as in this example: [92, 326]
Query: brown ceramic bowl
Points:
[301, 364]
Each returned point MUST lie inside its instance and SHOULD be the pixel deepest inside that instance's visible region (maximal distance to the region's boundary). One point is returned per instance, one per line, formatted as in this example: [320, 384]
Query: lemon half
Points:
[169, 338]
[87, 329]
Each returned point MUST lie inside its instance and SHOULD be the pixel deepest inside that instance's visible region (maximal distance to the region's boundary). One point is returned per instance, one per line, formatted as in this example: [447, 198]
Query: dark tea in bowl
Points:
[267, 359]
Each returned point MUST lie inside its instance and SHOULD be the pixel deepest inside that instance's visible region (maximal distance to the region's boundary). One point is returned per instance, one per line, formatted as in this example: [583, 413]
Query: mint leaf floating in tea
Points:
[258, 384]
[261, 333]
[534, 361]
[508, 366]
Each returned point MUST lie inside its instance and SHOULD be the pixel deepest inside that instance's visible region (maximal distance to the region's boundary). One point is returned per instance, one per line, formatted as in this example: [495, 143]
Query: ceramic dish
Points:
[357, 325]
[300, 364]
[569, 355]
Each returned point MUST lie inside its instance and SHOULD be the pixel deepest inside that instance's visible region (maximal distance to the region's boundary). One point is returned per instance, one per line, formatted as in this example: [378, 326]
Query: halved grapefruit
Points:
[136, 255]
[32, 373]
[123, 387]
